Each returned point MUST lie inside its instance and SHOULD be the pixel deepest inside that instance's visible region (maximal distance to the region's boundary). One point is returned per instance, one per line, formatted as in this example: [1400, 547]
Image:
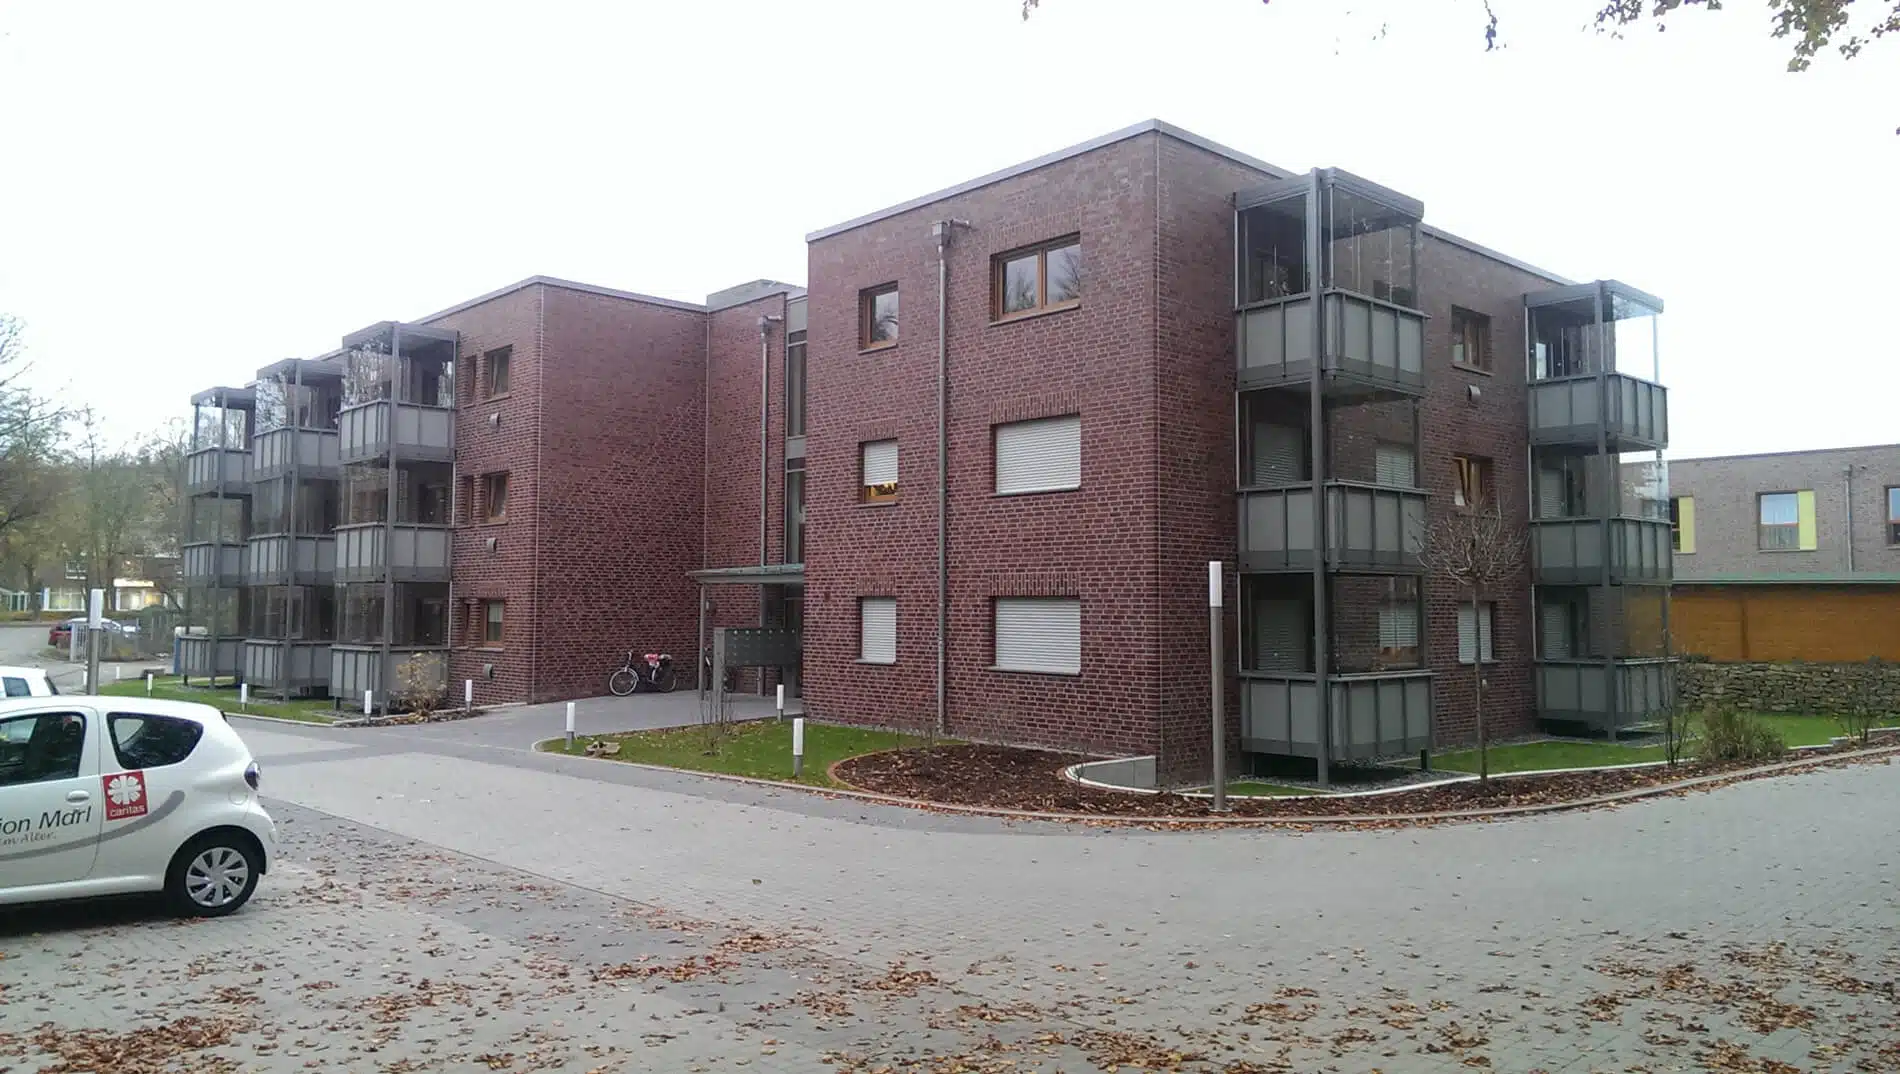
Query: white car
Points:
[116, 795]
[26, 682]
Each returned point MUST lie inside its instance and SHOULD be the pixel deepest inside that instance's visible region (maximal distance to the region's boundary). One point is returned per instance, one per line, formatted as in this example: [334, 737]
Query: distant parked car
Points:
[61, 635]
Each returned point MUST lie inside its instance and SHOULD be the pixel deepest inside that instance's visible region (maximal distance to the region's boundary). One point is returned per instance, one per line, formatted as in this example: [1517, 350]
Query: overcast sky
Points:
[191, 191]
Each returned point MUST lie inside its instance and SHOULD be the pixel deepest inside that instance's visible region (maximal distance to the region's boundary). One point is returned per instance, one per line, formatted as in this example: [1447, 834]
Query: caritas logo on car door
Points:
[125, 795]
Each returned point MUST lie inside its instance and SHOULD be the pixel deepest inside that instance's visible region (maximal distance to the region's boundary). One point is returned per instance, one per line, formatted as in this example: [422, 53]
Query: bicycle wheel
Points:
[622, 682]
[665, 679]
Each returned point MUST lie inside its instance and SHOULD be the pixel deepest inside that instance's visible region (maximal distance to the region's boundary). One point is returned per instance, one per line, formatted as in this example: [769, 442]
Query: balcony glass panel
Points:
[421, 615]
[1590, 623]
[1371, 715]
[1368, 527]
[1577, 551]
[1606, 698]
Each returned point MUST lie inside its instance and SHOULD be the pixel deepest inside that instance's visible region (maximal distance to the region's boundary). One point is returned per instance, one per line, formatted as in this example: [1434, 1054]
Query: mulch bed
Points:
[1006, 777]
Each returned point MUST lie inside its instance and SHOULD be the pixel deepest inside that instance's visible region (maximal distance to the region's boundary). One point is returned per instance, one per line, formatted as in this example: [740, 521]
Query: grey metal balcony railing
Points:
[1605, 697]
[202, 656]
[284, 559]
[1383, 714]
[313, 452]
[1370, 343]
[404, 553]
[212, 470]
[1633, 413]
[355, 669]
[274, 664]
[418, 433]
[1368, 527]
[1574, 551]
[212, 564]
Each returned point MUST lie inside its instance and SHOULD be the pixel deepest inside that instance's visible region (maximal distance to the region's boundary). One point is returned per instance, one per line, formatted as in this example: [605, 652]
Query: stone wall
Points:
[1795, 686]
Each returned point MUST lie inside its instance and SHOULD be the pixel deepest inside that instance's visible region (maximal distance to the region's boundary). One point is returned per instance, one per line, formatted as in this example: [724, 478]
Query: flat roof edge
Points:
[570, 285]
[1869, 578]
[1485, 251]
[1785, 454]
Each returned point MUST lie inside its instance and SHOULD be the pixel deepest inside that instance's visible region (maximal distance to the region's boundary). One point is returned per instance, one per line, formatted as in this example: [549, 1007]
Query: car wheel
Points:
[213, 875]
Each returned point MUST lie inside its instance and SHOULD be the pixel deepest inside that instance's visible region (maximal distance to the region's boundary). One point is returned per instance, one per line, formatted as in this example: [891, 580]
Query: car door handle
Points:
[78, 796]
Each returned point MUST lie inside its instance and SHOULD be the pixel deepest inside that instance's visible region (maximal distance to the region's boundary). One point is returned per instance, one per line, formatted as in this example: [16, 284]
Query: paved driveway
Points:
[1752, 926]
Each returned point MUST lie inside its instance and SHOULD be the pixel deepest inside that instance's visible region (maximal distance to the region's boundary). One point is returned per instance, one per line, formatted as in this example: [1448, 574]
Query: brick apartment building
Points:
[1125, 359]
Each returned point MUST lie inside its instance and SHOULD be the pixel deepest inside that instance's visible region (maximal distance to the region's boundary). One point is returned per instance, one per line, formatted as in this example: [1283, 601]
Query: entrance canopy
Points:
[768, 574]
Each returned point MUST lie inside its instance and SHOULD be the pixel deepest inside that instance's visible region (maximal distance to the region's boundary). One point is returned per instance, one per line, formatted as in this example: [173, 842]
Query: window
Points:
[37, 749]
[1473, 477]
[877, 630]
[494, 505]
[1044, 455]
[877, 317]
[495, 371]
[1394, 465]
[1682, 522]
[877, 470]
[152, 741]
[491, 621]
[795, 511]
[1039, 278]
[1780, 522]
[1039, 634]
[1893, 516]
[1474, 634]
[16, 686]
[1470, 339]
[1398, 632]
[795, 384]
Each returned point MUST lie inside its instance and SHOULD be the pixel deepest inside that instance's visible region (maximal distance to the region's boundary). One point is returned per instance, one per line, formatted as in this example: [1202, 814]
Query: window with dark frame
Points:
[1675, 522]
[795, 384]
[1779, 518]
[1893, 515]
[491, 621]
[795, 511]
[494, 504]
[1473, 480]
[1036, 278]
[877, 317]
[1470, 339]
[495, 368]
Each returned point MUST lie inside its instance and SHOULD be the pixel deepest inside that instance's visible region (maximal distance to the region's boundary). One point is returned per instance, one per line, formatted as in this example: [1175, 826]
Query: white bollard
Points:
[798, 746]
[244, 695]
[570, 725]
[115, 673]
[468, 695]
[148, 683]
[781, 701]
[366, 694]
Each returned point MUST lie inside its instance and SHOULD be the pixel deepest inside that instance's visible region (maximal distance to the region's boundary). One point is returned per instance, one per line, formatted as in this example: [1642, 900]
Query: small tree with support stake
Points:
[1479, 551]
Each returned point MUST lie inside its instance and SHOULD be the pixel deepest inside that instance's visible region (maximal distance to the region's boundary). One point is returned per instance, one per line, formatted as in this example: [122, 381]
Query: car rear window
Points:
[16, 686]
[143, 741]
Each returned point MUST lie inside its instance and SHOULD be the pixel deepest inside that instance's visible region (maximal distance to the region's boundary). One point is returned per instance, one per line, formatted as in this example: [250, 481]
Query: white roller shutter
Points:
[1278, 451]
[1039, 456]
[1394, 465]
[1550, 493]
[1474, 635]
[879, 461]
[877, 630]
[1398, 626]
[1558, 644]
[1039, 634]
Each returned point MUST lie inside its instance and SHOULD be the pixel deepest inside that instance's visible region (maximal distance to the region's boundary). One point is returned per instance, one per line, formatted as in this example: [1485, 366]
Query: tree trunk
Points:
[1477, 686]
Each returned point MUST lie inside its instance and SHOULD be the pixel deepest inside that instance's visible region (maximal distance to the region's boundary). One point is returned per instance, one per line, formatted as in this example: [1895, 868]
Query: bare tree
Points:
[1480, 551]
[29, 434]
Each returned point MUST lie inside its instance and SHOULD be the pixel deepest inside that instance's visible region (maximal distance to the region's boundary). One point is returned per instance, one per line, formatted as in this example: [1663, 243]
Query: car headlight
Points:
[251, 774]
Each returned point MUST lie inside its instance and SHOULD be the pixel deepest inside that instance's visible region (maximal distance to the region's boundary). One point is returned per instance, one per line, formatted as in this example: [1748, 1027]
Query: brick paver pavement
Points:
[450, 902]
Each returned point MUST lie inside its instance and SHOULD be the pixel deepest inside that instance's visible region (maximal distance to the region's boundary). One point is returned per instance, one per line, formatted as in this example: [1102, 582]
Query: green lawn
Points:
[318, 710]
[761, 749]
[1796, 730]
[1254, 788]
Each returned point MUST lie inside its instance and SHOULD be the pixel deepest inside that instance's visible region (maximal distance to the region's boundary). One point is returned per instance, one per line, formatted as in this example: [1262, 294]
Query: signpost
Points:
[95, 625]
[798, 746]
[1214, 684]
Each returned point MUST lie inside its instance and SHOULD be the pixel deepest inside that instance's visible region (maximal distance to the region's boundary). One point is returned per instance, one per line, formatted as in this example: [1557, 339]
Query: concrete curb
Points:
[1122, 820]
[275, 719]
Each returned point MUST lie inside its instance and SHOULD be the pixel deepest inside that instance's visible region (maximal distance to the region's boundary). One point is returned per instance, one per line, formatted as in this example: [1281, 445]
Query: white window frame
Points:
[867, 471]
[1002, 661]
[865, 607]
[1064, 426]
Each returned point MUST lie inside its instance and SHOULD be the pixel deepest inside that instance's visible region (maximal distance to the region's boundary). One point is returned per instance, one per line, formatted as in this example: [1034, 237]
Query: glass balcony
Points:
[1633, 413]
[218, 457]
[398, 394]
[284, 559]
[211, 471]
[301, 667]
[1595, 369]
[1327, 281]
[1369, 527]
[202, 656]
[1605, 697]
[311, 453]
[1573, 551]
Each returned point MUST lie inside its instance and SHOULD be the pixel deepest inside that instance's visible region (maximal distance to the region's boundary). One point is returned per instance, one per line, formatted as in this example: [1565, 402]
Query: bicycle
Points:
[706, 671]
[654, 673]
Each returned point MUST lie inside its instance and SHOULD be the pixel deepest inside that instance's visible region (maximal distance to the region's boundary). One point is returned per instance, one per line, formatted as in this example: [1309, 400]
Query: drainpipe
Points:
[941, 231]
[1850, 518]
[765, 441]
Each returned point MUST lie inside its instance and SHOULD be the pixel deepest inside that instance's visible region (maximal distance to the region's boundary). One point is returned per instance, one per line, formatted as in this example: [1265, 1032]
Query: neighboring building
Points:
[1157, 352]
[1788, 556]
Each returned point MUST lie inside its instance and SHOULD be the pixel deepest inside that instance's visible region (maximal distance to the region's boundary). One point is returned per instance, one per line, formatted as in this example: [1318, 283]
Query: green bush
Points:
[1734, 736]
